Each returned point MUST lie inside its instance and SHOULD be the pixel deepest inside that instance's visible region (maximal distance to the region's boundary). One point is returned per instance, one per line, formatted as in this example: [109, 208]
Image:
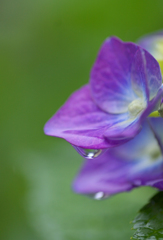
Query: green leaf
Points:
[149, 222]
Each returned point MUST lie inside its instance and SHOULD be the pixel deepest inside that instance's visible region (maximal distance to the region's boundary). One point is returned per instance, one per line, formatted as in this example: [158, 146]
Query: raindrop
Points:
[98, 196]
[89, 153]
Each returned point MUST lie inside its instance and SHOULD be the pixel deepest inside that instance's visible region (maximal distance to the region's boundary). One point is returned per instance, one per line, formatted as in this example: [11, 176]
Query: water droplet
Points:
[98, 196]
[89, 153]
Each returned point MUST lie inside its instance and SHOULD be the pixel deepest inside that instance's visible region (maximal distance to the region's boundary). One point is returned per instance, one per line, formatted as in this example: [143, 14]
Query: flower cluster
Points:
[108, 120]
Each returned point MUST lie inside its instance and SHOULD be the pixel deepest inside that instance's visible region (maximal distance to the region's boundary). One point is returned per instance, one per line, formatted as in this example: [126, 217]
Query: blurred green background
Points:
[47, 49]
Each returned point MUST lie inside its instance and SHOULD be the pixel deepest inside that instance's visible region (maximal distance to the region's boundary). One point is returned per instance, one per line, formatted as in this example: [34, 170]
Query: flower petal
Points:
[123, 132]
[119, 169]
[110, 76]
[157, 125]
[81, 122]
[105, 174]
[153, 43]
[128, 129]
[141, 144]
[145, 75]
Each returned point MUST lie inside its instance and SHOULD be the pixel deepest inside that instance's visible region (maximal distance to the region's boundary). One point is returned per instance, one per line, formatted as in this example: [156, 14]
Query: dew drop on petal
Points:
[98, 196]
[89, 153]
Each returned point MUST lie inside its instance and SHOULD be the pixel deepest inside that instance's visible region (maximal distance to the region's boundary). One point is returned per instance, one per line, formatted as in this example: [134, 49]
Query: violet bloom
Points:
[136, 163]
[124, 88]
[153, 43]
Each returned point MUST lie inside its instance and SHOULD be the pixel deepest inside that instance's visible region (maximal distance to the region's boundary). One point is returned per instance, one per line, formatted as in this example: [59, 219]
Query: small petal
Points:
[110, 76]
[145, 75]
[123, 132]
[126, 130]
[123, 168]
[144, 144]
[157, 125]
[81, 122]
[106, 174]
[153, 43]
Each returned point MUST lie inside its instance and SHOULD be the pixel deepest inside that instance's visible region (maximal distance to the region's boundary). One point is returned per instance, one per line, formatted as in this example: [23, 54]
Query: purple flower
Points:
[124, 88]
[153, 43]
[138, 162]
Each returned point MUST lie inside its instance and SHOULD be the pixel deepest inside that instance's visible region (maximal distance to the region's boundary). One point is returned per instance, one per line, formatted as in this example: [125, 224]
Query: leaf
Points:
[149, 222]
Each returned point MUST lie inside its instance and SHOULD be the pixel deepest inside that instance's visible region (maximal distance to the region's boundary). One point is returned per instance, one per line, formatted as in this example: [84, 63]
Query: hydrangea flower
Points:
[125, 87]
[138, 162]
[153, 43]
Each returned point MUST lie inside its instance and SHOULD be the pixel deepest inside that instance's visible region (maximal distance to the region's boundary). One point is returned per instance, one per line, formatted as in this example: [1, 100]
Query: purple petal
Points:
[153, 43]
[157, 126]
[123, 131]
[120, 169]
[148, 173]
[106, 174]
[81, 122]
[141, 144]
[126, 130]
[153, 105]
[145, 75]
[110, 77]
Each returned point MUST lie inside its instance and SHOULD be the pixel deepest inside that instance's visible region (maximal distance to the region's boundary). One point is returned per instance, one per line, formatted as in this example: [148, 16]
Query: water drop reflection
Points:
[98, 196]
[89, 153]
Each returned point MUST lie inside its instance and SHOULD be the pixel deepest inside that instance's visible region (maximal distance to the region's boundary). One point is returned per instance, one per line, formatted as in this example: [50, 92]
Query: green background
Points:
[47, 48]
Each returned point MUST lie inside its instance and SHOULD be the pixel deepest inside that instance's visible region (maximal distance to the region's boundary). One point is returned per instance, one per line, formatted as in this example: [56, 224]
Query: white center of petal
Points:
[136, 106]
